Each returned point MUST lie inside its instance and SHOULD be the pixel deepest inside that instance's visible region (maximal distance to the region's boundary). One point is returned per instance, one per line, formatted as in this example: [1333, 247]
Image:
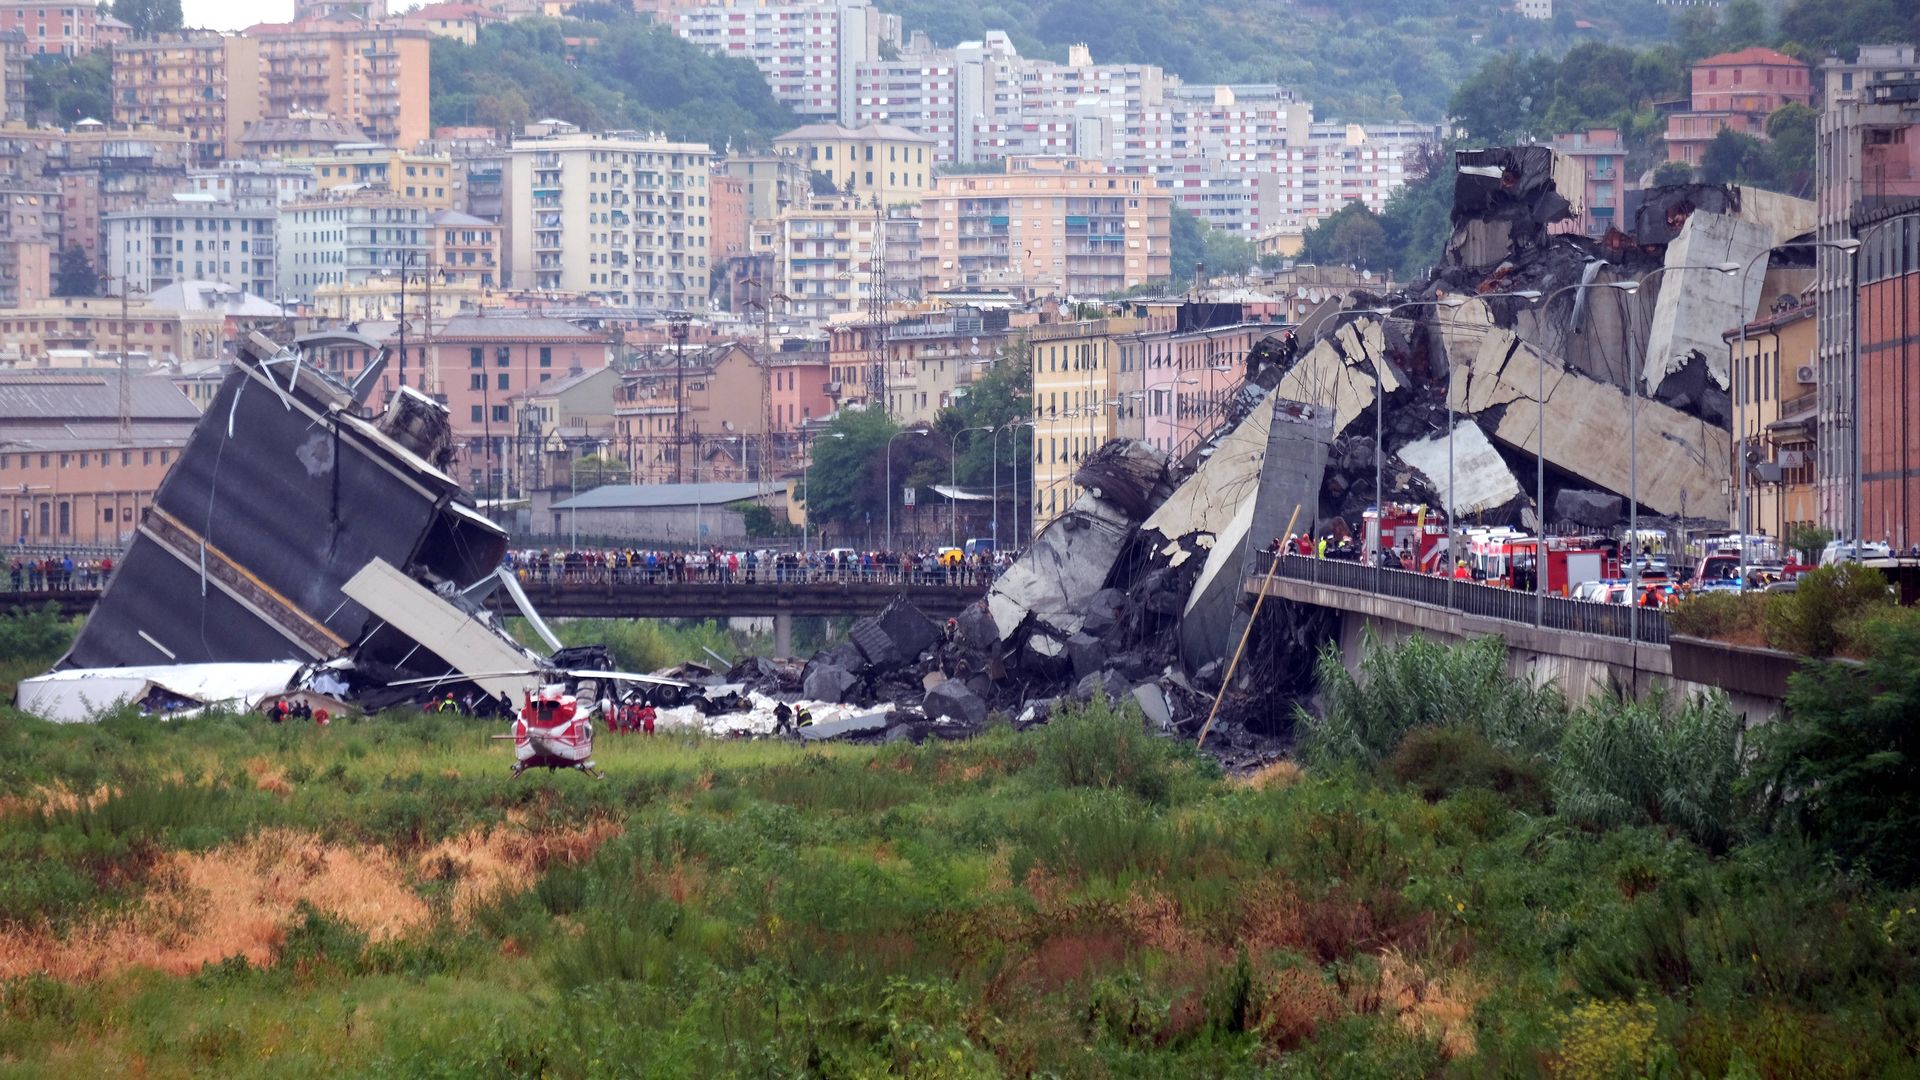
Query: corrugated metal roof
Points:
[650, 496]
[88, 396]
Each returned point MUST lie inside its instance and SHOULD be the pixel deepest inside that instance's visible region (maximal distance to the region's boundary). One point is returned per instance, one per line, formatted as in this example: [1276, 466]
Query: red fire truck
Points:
[1570, 559]
[1415, 529]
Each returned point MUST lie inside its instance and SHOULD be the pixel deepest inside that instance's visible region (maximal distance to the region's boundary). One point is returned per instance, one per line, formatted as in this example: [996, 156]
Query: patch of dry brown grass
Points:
[1276, 775]
[484, 862]
[232, 901]
[53, 799]
[1439, 1008]
[268, 776]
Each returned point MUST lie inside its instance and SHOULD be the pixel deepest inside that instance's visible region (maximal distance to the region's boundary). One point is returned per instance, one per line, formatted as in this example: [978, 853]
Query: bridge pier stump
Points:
[783, 634]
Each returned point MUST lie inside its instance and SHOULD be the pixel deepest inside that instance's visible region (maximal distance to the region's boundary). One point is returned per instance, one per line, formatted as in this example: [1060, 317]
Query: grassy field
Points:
[224, 897]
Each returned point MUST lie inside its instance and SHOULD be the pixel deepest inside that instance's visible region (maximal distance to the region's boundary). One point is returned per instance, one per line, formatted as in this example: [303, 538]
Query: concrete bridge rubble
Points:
[305, 544]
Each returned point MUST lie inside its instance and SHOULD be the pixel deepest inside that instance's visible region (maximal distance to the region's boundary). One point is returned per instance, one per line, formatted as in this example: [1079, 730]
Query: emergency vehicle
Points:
[1570, 561]
[1416, 529]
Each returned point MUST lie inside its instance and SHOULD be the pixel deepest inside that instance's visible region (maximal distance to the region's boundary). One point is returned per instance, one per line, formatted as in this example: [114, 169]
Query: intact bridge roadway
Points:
[779, 600]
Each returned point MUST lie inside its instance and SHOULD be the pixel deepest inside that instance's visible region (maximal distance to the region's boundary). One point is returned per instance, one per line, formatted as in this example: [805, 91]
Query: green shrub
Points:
[1843, 765]
[1722, 616]
[1423, 683]
[1814, 619]
[1440, 762]
[1651, 762]
[1098, 746]
[36, 637]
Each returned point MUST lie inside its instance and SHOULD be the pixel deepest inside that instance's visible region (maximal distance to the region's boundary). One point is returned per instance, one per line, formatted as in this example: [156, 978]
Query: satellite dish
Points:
[976, 341]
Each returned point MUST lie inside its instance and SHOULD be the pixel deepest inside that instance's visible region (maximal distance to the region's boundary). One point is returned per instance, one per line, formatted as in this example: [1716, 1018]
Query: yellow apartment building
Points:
[1063, 226]
[202, 82]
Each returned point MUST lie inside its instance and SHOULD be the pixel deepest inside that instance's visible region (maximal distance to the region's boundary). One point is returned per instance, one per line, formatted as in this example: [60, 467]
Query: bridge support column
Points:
[783, 634]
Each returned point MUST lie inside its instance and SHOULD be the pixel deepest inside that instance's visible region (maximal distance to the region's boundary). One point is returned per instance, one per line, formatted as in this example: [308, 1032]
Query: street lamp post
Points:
[1379, 425]
[1011, 424]
[1540, 450]
[953, 484]
[889, 492]
[807, 516]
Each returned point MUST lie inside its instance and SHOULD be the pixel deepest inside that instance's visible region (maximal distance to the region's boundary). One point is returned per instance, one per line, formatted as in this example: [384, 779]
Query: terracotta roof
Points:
[1757, 54]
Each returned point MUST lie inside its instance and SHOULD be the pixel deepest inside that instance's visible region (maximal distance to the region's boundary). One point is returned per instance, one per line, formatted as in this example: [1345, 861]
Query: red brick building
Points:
[1890, 375]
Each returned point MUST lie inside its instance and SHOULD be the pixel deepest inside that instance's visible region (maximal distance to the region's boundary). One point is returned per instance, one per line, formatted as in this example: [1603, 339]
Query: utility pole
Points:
[877, 310]
[126, 373]
[677, 330]
[431, 382]
[405, 265]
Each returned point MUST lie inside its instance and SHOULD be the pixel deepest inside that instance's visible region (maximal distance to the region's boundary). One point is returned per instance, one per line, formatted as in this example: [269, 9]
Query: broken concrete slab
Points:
[871, 723]
[1068, 562]
[1207, 501]
[1108, 683]
[1153, 704]
[1591, 509]
[1293, 469]
[1681, 458]
[467, 642]
[1086, 654]
[1694, 305]
[827, 682]
[954, 701]
[974, 628]
[911, 631]
[1125, 474]
[1324, 376]
[1481, 478]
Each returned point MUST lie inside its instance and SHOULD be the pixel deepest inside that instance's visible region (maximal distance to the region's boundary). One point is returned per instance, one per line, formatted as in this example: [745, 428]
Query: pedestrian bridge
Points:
[853, 595]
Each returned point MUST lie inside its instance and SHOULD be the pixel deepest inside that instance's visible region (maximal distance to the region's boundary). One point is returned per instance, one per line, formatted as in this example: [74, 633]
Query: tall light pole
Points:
[1379, 423]
[890, 438]
[953, 484]
[807, 517]
[1453, 529]
[1540, 449]
[677, 324]
[1014, 423]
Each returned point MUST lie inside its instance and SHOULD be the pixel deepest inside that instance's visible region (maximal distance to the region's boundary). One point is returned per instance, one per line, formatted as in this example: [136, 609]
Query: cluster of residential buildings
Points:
[696, 314]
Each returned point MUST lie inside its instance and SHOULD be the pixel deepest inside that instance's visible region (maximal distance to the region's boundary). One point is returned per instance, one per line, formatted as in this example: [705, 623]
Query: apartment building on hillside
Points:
[202, 82]
[373, 75]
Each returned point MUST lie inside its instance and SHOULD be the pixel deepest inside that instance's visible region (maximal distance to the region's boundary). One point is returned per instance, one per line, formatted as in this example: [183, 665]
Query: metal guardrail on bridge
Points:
[1646, 625]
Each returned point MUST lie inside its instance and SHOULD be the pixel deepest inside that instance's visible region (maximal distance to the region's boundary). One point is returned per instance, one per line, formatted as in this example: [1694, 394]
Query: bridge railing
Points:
[1646, 625]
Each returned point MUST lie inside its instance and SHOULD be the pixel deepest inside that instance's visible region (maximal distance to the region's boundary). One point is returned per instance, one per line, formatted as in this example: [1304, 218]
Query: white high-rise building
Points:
[808, 50]
[620, 216]
[192, 238]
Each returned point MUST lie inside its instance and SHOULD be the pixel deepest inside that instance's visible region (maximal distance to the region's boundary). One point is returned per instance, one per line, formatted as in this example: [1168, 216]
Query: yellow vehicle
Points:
[951, 556]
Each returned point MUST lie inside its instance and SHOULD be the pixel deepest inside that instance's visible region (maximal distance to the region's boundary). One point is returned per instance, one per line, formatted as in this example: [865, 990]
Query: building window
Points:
[474, 358]
[502, 383]
[477, 382]
[502, 356]
[499, 414]
[473, 414]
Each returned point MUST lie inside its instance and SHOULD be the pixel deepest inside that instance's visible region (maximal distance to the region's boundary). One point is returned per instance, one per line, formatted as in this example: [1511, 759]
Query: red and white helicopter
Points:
[553, 726]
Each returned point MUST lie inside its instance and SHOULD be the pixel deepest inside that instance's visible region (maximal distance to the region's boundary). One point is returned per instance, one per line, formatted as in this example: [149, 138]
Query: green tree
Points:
[1003, 395]
[592, 471]
[1672, 172]
[76, 275]
[1188, 247]
[1843, 766]
[624, 73]
[1842, 26]
[63, 90]
[1744, 24]
[847, 483]
[148, 17]
[1418, 218]
[1790, 136]
[1736, 158]
[1505, 100]
[1359, 241]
